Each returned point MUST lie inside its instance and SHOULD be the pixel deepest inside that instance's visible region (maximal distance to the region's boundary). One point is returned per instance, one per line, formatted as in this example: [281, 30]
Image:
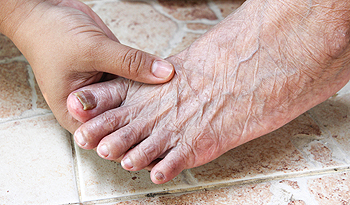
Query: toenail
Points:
[162, 69]
[79, 139]
[87, 99]
[103, 150]
[159, 176]
[126, 163]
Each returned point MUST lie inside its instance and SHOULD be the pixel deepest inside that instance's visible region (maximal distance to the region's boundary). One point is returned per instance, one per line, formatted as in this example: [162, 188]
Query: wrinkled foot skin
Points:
[260, 68]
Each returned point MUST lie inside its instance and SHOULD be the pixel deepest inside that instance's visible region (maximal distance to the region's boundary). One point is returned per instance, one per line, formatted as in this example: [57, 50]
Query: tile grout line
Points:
[34, 111]
[179, 33]
[212, 186]
[301, 150]
[215, 9]
[329, 135]
[182, 29]
[29, 116]
[32, 86]
[20, 58]
[76, 167]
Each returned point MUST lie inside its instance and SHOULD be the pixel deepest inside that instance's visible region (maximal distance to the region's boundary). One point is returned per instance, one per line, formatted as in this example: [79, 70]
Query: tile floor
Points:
[305, 162]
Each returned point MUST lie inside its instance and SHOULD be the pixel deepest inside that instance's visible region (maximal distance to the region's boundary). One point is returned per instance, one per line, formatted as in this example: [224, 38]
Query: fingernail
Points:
[162, 69]
[159, 176]
[103, 150]
[126, 163]
[79, 139]
[87, 99]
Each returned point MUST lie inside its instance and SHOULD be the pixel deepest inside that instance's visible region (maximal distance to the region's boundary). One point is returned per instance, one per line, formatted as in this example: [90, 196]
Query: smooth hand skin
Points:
[68, 47]
[260, 68]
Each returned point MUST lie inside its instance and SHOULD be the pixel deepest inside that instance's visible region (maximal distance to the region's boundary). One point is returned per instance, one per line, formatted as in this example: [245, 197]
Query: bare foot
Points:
[260, 68]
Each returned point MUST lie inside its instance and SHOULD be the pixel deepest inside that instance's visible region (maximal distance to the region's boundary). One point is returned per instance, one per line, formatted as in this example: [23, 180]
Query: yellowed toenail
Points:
[87, 99]
[159, 176]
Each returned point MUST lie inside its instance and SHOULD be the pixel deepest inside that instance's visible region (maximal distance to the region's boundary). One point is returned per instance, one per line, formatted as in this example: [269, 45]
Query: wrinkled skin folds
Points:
[251, 74]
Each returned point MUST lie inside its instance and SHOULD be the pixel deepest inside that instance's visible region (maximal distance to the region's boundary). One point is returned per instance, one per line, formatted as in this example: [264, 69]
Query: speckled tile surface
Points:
[305, 162]
[36, 162]
[103, 179]
[7, 48]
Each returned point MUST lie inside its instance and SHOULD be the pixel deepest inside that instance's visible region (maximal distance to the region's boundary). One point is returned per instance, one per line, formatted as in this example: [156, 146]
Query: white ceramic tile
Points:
[315, 189]
[104, 179]
[36, 164]
[138, 24]
[345, 89]
[36, 156]
[330, 189]
[276, 153]
[333, 116]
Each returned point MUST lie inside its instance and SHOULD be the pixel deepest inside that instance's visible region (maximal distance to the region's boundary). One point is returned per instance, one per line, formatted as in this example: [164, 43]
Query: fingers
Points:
[108, 55]
[115, 58]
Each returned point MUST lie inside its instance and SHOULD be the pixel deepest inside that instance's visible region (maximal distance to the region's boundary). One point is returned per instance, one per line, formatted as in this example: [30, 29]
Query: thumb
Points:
[130, 63]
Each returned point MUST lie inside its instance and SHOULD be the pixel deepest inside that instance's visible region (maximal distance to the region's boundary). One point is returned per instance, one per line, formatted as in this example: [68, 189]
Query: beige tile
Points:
[15, 90]
[274, 153]
[90, 3]
[296, 202]
[245, 194]
[199, 26]
[292, 191]
[138, 25]
[345, 89]
[7, 48]
[291, 183]
[36, 162]
[323, 154]
[334, 189]
[103, 179]
[334, 116]
[188, 9]
[228, 6]
[40, 101]
[186, 41]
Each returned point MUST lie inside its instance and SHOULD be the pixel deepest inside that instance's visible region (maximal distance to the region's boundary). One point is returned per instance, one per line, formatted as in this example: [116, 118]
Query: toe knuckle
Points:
[109, 120]
[150, 152]
[129, 137]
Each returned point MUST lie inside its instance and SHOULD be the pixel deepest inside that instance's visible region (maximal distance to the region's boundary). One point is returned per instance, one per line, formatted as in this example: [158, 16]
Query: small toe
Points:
[169, 167]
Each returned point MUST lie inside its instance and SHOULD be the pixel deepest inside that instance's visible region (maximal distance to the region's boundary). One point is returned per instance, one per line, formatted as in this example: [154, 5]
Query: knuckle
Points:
[89, 51]
[129, 137]
[110, 121]
[150, 152]
[133, 61]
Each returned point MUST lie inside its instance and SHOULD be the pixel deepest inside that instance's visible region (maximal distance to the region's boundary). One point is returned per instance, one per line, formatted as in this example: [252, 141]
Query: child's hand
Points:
[68, 47]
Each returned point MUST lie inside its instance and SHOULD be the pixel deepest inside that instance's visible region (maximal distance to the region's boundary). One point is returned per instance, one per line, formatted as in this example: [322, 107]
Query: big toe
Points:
[92, 100]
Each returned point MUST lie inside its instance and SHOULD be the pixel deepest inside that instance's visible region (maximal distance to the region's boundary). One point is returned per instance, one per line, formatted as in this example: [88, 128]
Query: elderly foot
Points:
[260, 68]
